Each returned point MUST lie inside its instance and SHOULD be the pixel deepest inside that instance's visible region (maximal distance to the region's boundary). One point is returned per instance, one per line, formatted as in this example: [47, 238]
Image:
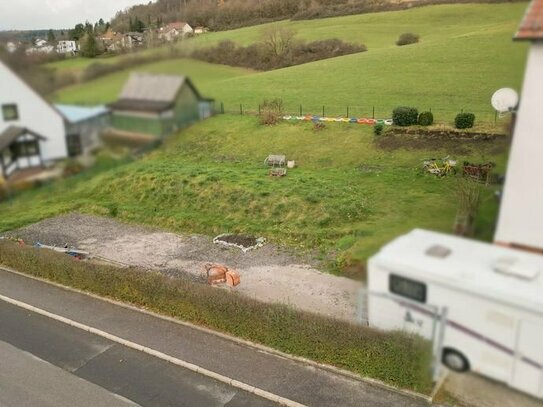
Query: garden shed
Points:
[84, 126]
[158, 104]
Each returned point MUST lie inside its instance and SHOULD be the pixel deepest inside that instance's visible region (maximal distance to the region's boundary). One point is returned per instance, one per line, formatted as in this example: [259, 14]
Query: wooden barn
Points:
[158, 105]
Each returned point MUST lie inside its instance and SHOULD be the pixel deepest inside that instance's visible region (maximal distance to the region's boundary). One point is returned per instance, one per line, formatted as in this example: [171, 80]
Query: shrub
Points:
[72, 167]
[378, 129]
[426, 119]
[405, 116]
[464, 120]
[268, 54]
[318, 125]
[407, 38]
[271, 111]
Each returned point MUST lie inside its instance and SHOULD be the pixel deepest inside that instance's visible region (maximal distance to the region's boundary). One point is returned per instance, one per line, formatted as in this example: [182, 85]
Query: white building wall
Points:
[34, 113]
[521, 213]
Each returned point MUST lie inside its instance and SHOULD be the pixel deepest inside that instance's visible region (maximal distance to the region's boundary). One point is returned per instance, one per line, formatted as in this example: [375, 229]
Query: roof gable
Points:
[155, 88]
[531, 27]
[178, 25]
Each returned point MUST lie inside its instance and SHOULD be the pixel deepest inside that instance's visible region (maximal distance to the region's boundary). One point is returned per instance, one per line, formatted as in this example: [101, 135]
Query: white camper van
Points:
[491, 298]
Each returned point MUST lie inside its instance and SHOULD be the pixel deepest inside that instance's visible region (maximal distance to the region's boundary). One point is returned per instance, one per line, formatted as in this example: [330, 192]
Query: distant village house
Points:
[67, 47]
[173, 31]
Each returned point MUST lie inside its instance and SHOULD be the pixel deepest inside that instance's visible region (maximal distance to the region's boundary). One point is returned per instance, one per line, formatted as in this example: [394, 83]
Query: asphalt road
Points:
[48, 363]
[26, 380]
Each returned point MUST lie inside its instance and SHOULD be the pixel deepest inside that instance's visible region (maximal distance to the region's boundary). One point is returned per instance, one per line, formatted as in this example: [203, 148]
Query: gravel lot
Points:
[268, 273]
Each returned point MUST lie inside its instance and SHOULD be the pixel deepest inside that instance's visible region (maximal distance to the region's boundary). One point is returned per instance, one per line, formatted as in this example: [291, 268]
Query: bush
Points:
[405, 116]
[267, 55]
[407, 38]
[378, 129]
[271, 111]
[426, 119]
[464, 120]
[72, 167]
[318, 126]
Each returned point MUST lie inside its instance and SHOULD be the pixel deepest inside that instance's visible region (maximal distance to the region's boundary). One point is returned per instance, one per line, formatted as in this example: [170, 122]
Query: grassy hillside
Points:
[207, 78]
[347, 197]
[465, 54]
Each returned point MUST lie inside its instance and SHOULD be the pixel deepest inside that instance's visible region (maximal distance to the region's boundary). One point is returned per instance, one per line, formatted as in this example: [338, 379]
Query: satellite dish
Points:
[505, 100]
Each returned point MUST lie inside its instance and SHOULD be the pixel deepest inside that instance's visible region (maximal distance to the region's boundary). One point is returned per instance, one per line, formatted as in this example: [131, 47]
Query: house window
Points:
[10, 112]
[407, 288]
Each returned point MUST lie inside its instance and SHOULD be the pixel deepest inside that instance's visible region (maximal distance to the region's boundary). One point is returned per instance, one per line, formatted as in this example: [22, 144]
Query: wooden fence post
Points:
[347, 111]
[322, 110]
[241, 109]
[301, 110]
[373, 113]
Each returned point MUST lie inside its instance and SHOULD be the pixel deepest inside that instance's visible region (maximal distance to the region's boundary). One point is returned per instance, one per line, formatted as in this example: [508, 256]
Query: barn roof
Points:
[152, 92]
[12, 133]
[531, 27]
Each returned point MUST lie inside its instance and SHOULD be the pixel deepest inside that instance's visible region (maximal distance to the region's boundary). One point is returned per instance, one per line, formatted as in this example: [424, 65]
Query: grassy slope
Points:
[103, 90]
[347, 197]
[466, 53]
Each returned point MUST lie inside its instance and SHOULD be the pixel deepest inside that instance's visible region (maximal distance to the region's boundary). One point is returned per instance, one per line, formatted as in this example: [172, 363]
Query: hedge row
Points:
[396, 358]
[409, 116]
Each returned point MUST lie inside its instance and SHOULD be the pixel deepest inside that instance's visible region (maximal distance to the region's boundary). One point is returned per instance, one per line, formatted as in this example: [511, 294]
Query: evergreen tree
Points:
[89, 48]
[78, 32]
[139, 26]
[51, 36]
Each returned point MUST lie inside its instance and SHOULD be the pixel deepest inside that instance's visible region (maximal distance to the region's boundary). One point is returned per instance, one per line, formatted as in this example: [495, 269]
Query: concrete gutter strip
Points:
[224, 379]
[333, 369]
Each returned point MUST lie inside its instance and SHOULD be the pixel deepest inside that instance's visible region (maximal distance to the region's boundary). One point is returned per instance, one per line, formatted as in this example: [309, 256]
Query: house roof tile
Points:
[531, 27]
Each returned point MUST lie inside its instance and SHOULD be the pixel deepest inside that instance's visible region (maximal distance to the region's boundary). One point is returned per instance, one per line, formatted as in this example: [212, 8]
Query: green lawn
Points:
[466, 53]
[346, 198]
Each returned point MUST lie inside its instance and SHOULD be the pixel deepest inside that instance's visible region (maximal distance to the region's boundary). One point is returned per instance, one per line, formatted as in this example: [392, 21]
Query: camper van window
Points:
[405, 287]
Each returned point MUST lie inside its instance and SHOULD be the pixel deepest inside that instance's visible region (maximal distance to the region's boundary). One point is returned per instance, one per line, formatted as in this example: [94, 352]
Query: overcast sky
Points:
[40, 14]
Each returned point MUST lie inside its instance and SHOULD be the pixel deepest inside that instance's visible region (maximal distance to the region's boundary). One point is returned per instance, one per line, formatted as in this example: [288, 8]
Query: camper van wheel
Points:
[454, 360]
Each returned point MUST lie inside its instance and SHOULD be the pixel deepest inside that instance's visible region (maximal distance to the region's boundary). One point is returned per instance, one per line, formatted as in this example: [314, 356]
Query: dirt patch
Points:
[460, 146]
[270, 274]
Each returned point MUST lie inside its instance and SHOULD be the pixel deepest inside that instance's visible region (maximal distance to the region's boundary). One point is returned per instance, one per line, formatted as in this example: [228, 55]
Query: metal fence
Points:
[370, 111]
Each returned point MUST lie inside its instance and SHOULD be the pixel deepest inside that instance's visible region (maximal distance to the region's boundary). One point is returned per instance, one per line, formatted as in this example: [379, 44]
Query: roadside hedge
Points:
[397, 358]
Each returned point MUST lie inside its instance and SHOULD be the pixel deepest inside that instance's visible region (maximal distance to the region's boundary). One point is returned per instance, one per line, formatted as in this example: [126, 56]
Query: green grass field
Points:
[346, 198]
[465, 54]
[208, 79]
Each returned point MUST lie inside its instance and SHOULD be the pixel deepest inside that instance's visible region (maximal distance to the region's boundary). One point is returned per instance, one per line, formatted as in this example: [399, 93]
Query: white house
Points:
[40, 43]
[32, 132]
[520, 221]
[175, 30]
[11, 47]
[67, 47]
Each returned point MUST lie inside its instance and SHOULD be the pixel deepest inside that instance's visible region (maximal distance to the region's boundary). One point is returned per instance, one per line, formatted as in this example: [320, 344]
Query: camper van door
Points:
[528, 368]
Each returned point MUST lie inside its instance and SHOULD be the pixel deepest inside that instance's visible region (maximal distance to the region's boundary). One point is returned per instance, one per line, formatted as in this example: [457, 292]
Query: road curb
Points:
[298, 359]
[190, 366]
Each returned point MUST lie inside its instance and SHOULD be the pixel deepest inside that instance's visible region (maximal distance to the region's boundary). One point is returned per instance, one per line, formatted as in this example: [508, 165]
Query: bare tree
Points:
[278, 40]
